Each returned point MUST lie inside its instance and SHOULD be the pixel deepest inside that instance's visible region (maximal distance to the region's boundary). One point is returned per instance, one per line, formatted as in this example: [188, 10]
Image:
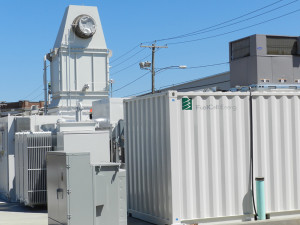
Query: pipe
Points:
[260, 198]
[251, 153]
[45, 86]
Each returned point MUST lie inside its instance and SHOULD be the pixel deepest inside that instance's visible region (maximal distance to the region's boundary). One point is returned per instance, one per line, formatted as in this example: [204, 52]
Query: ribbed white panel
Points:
[277, 148]
[149, 157]
[30, 156]
[185, 164]
[212, 144]
[193, 166]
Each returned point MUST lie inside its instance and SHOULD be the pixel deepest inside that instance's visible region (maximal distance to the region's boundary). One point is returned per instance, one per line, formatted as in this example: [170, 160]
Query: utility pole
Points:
[153, 47]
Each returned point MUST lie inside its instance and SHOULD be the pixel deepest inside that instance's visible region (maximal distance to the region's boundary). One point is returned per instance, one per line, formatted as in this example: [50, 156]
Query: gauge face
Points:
[84, 26]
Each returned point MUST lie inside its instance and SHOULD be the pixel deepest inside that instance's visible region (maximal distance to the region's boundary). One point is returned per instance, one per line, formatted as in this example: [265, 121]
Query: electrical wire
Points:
[194, 67]
[138, 93]
[128, 58]
[32, 92]
[203, 66]
[132, 81]
[37, 96]
[216, 25]
[133, 64]
[204, 30]
[125, 54]
[233, 31]
[244, 20]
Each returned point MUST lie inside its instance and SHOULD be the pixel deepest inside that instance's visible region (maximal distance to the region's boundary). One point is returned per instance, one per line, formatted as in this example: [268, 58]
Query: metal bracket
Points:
[69, 191]
[69, 216]
[68, 166]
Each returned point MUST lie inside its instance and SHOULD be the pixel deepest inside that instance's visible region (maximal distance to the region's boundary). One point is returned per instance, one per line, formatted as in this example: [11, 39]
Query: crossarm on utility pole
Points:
[153, 47]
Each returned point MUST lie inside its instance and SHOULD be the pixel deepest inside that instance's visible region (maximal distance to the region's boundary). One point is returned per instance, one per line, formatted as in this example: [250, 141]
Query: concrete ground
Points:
[15, 214]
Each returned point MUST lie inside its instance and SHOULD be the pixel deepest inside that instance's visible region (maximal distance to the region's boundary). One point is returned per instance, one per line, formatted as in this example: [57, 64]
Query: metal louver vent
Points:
[31, 151]
[240, 48]
[281, 45]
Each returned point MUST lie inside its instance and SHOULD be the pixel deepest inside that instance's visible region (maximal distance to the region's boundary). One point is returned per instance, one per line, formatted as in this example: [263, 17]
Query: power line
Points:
[247, 19]
[168, 86]
[203, 29]
[131, 82]
[32, 92]
[199, 86]
[124, 54]
[128, 59]
[216, 64]
[222, 34]
[138, 93]
[203, 66]
[133, 64]
[37, 96]
[194, 67]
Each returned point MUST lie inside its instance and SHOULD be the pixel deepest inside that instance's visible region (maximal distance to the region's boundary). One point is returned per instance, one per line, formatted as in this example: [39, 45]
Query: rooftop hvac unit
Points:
[30, 157]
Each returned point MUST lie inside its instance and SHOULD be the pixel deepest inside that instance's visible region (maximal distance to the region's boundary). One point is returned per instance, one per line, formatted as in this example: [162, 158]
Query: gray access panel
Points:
[81, 193]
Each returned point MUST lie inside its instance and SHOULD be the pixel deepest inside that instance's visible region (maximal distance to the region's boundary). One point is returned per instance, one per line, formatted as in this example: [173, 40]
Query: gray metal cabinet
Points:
[81, 193]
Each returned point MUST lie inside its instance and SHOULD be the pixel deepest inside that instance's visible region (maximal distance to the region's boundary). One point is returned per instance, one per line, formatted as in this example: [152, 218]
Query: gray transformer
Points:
[81, 193]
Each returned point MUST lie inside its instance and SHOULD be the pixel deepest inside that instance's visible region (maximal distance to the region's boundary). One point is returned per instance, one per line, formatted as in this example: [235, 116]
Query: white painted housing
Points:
[193, 166]
[79, 67]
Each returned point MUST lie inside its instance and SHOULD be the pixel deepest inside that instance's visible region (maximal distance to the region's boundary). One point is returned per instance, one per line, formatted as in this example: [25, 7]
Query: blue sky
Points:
[29, 28]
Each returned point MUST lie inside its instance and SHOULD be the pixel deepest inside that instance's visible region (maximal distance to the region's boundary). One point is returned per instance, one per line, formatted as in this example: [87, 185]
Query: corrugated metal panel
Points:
[191, 166]
[31, 150]
[212, 143]
[149, 178]
[183, 164]
[277, 145]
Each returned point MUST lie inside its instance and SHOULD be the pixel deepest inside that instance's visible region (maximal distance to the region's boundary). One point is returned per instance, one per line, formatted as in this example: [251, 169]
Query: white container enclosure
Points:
[188, 155]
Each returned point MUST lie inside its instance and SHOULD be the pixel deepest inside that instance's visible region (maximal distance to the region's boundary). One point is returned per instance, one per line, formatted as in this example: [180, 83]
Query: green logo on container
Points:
[187, 103]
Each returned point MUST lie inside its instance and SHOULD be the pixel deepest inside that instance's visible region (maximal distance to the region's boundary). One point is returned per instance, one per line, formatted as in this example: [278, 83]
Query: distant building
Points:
[220, 81]
[254, 60]
[23, 107]
[263, 59]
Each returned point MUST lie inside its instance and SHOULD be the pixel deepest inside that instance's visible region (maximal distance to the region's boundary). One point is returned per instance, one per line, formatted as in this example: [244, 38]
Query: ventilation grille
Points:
[240, 48]
[281, 45]
[31, 152]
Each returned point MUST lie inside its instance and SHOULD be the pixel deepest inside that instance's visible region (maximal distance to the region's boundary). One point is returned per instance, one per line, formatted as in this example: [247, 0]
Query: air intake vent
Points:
[240, 48]
[281, 45]
[30, 153]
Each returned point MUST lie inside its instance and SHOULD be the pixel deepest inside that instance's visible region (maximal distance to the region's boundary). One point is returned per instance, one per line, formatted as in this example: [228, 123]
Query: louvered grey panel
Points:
[31, 178]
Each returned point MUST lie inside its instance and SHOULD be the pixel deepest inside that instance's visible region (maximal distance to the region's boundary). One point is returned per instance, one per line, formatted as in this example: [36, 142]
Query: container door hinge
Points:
[69, 191]
[69, 216]
[68, 166]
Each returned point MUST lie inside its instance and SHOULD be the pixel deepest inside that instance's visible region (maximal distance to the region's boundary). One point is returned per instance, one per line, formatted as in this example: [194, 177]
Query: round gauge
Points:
[84, 26]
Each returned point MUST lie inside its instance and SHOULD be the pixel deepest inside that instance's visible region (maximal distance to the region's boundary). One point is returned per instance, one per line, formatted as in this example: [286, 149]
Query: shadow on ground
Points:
[16, 207]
